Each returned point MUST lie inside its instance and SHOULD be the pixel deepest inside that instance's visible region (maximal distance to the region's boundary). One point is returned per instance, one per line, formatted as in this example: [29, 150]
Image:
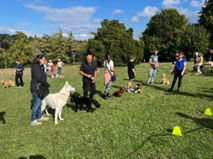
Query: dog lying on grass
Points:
[165, 79]
[83, 100]
[119, 93]
[7, 83]
[139, 88]
[57, 101]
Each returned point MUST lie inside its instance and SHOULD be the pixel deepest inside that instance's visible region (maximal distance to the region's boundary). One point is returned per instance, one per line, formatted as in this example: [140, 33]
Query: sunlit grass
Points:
[134, 126]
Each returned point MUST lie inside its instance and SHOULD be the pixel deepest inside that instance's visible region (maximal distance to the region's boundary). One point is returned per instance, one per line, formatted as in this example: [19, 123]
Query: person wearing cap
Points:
[59, 66]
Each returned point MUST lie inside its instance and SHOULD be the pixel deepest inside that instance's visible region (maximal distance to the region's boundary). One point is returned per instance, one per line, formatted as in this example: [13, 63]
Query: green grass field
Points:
[134, 126]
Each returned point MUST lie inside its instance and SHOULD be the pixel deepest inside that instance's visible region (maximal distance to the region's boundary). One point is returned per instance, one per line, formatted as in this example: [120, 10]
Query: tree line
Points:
[167, 31]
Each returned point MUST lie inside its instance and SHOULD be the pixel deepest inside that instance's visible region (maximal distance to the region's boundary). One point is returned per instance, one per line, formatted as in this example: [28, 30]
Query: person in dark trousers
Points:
[89, 72]
[131, 73]
[38, 76]
[19, 74]
[179, 71]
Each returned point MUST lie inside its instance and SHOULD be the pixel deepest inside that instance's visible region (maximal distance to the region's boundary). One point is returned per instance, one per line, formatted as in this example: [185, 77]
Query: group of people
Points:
[49, 68]
[89, 72]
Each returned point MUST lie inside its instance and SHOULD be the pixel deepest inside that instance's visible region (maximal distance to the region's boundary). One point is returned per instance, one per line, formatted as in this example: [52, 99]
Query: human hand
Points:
[89, 76]
[93, 81]
[182, 73]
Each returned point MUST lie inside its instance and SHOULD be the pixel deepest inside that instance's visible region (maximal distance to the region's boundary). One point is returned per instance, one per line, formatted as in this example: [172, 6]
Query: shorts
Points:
[131, 80]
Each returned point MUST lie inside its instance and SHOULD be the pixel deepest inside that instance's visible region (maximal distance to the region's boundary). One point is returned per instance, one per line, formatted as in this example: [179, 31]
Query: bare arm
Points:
[133, 70]
[84, 74]
[184, 68]
[113, 70]
[150, 61]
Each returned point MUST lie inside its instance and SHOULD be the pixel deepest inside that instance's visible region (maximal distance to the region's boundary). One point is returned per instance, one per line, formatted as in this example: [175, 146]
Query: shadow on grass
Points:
[204, 122]
[159, 135]
[147, 139]
[33, 157]
[174, 92]
[2, 117]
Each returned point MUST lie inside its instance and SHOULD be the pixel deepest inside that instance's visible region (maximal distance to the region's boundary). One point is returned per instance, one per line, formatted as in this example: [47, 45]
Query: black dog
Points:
[83, 100]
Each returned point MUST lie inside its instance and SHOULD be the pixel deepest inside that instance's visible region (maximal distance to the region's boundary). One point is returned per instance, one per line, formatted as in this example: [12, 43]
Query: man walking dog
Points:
[89, 72]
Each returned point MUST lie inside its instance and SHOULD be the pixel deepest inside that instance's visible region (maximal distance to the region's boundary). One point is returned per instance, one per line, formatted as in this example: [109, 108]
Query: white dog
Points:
[57, 101]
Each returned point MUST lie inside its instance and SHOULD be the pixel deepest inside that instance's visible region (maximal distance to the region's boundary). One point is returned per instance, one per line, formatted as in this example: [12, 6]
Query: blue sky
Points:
[39, 17]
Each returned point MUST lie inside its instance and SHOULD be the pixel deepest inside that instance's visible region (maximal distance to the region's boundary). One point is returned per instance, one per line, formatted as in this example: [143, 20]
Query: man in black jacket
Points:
[19, 73]
[89, 72]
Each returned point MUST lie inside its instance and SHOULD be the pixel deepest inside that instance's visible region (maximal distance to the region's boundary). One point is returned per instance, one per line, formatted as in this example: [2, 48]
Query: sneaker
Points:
[169, 89]
[131, 89]
[178, 89]
[17, 87]
[43, 118]
[152, 83]
[20, 86]
[35, 122]
[128, 90]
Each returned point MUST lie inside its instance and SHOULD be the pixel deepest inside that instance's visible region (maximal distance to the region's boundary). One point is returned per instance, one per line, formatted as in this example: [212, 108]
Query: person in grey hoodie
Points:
[19, 73]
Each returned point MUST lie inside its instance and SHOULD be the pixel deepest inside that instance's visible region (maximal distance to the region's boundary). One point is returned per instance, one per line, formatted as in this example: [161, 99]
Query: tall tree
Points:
[113, 38]
[206, 18]
[59, 47]
[20, 49]
[170, 32]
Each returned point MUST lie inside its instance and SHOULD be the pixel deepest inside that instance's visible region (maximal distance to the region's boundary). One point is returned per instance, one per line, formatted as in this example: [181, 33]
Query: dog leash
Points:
[54, 89]
[11, 77]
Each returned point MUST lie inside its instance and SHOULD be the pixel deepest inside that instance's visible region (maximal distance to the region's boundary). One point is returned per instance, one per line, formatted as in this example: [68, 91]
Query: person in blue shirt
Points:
[179, 71]
[19, 73]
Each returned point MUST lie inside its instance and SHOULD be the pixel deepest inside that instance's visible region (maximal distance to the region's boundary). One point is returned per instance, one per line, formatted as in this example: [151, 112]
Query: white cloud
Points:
[13, 31]
[73, 14]
[148, 12]
[170, 3]
[96, 20]
[24, 24]
[134, 19]
[80, 27]
[82, 37]
[117, 11]
[189, 13]
[198, 4]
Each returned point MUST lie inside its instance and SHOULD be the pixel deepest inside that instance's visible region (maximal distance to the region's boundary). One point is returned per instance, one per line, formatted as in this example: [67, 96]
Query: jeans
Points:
[59, 70]
[86, 87]
[152, 74]
[177, 74]
[36, 109]
[19, 76]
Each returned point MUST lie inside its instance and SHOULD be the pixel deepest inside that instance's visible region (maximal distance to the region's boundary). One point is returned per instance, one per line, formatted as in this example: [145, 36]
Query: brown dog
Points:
[165, 79]
[139, 88]
[7, 83]
[119, 93]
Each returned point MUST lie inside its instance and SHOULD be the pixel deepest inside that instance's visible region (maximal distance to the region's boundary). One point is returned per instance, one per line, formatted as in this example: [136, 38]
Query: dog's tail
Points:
[95, 102]
[111, 95]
